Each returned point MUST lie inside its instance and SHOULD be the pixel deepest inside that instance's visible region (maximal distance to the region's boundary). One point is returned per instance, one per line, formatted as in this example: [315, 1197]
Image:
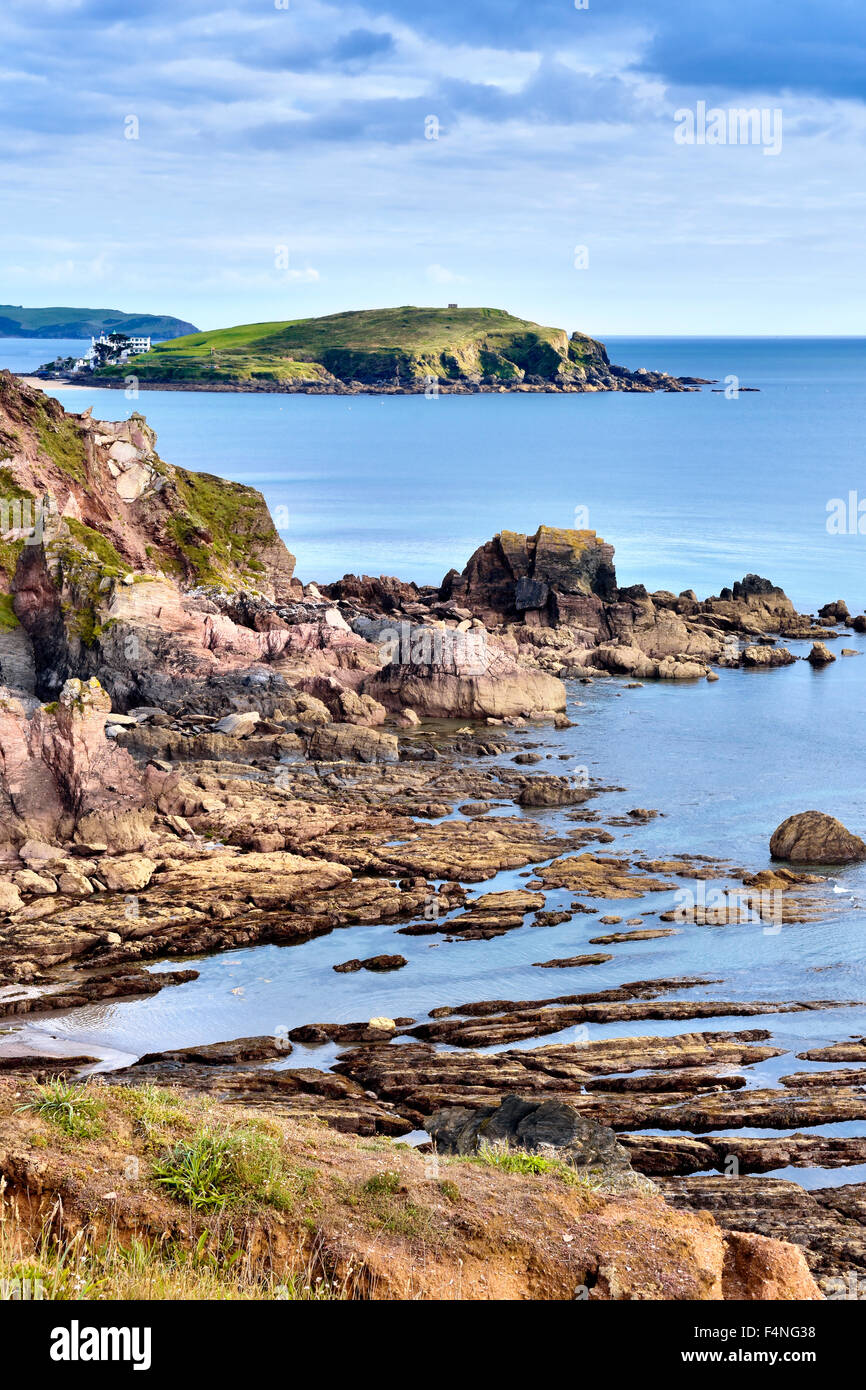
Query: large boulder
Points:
[820, 655]
[757, 657]
[444, 695]
[514, 575]
[446, 673]
[336, 742]
[550, 1128]
[549, 790]
[835, 612]
[811, 837]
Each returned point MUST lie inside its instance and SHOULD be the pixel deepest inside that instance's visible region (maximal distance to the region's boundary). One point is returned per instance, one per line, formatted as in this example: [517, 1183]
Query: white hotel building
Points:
[132, 348]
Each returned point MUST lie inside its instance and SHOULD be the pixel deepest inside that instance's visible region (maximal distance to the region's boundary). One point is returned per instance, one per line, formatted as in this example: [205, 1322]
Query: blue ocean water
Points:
[28, 354]
[692, 490]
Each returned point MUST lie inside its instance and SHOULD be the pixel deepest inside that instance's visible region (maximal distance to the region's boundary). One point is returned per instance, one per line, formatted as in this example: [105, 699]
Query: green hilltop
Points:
[400, 346]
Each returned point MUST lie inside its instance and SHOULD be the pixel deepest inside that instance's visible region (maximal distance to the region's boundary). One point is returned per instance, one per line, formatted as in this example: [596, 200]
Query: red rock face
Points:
[58, 769]
[94, 775]
[31, 805]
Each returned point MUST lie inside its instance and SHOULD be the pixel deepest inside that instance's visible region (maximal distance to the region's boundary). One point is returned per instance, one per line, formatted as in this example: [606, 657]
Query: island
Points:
[396, 350]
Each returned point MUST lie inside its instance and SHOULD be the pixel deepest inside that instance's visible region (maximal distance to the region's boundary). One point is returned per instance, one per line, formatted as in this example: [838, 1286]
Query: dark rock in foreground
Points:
[551, 1128]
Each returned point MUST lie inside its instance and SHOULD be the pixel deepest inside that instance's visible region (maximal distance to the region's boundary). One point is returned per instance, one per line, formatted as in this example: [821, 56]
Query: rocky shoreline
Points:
[199, 753]
[641, 381]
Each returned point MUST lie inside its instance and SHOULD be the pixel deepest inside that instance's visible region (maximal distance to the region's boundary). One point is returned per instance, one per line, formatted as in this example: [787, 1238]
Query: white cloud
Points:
[441, 275]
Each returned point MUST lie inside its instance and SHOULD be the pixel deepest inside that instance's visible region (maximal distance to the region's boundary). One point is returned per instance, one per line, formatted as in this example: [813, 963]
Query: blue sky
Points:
[282, 166]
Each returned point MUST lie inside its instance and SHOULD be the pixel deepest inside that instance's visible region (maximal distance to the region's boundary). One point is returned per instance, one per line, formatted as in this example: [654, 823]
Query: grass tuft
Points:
[72, 1108]
[519, 1161]
[214, 1170]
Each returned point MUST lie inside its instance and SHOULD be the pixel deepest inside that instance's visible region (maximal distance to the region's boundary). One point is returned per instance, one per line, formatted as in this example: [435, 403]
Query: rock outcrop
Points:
[556, 597]
[96, 495]
[467, 682]
[549, 1128]
[546, 577]
[820, 655]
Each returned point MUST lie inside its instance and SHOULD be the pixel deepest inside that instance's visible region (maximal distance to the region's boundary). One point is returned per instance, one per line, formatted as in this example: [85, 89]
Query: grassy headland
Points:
[400, 346]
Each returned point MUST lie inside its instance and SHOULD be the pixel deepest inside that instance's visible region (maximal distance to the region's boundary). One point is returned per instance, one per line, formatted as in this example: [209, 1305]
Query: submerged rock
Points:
[349, 967]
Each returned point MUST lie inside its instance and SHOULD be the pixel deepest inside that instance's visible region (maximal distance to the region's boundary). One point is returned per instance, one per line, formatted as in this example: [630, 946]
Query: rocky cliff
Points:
[96, 530]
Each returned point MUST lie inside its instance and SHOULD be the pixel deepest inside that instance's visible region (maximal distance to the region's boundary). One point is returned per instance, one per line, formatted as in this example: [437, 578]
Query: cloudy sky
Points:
[284, 164]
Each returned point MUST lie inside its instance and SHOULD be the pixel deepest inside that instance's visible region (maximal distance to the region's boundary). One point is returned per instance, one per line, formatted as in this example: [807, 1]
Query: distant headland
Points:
[16, 321]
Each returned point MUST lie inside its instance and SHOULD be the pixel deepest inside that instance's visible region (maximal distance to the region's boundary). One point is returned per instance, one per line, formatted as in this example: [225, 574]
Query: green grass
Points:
[222, 526]
[98, 545]
[10, 491]
[155, 1111]
[198, 1173]
[214, 1170]
[370, 345]
[382, 1183]
[519, 1161]
[8, 620]
[74, 1109]
[86, 558]
[63, 442]
[217, 1268]
[407, 328]
[388, 1208]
